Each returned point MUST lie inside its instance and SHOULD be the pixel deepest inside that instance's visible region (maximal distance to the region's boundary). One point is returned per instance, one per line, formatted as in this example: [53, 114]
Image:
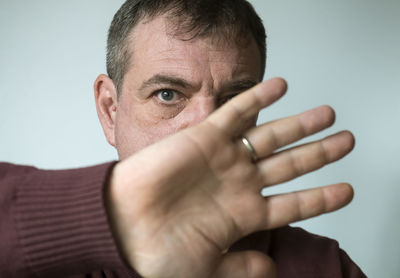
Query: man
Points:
[180, 104]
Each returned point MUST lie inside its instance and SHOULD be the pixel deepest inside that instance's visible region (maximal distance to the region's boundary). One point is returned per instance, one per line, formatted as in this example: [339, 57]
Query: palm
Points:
[193, 197]
[197, 192]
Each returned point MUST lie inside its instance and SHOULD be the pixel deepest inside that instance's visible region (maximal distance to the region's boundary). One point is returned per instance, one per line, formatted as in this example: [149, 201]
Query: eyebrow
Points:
[240, 85]
[166, 80]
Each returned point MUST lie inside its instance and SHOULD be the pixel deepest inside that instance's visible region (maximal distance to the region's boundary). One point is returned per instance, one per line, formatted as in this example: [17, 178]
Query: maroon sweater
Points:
[54, 224]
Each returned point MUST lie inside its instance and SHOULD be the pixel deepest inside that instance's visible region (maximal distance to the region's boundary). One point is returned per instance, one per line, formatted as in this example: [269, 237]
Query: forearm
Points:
[54, 222]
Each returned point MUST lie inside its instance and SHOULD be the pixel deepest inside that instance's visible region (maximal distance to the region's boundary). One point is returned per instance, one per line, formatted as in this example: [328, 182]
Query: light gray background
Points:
[343, 53]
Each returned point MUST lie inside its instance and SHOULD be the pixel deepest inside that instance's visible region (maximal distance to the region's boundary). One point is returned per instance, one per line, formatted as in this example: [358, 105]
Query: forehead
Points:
[152, 44]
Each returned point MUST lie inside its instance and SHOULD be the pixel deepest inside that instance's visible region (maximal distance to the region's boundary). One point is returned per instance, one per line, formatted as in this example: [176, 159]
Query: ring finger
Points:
[289, 164]
[271, 136]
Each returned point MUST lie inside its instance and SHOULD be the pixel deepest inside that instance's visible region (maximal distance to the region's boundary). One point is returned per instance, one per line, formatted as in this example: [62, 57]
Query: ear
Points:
[105, 94]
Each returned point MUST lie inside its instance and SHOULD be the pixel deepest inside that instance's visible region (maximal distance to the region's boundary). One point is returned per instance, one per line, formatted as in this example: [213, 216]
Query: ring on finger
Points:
[252, 152]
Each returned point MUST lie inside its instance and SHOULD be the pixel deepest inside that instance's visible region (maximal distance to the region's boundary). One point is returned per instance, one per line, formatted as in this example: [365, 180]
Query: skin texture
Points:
[178, 200]
[211, 73]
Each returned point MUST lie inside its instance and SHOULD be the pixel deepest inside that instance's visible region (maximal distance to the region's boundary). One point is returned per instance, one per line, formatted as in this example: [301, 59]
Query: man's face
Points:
[172, 84]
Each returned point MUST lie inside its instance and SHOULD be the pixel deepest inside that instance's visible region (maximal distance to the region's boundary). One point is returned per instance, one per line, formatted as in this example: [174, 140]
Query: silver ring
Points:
[250, 149]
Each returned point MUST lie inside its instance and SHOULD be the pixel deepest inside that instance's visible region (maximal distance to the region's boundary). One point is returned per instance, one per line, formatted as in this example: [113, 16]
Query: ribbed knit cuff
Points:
[62, 222]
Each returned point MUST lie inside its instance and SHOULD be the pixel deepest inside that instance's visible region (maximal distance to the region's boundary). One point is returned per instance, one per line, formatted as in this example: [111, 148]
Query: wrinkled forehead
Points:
[176, 28]
[162, 35]
[187, 23]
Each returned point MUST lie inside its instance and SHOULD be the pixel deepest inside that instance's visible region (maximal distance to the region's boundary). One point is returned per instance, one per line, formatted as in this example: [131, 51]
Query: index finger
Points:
[235, 114]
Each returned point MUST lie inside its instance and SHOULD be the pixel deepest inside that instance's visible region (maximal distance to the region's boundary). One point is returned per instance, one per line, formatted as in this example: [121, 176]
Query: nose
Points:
[198, 110]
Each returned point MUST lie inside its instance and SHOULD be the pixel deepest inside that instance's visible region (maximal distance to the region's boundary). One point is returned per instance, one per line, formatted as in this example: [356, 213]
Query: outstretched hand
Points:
[179, 204]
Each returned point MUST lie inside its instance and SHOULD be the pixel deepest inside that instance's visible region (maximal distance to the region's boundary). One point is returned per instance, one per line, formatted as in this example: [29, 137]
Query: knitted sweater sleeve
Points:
[54, 223]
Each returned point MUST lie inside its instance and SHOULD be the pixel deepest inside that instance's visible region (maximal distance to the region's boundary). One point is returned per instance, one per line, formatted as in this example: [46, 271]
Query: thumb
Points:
[247, 264]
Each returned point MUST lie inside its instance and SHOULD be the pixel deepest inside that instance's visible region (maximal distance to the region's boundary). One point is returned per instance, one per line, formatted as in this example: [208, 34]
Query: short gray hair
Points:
[232, 19]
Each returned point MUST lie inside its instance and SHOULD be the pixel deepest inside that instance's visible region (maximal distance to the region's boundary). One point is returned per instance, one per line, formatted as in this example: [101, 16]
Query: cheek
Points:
[138, 128]
[158, 112]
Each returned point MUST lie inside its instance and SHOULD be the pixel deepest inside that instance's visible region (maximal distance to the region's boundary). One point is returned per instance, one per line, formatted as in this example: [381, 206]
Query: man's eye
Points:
[167, 95]
[227, 98]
